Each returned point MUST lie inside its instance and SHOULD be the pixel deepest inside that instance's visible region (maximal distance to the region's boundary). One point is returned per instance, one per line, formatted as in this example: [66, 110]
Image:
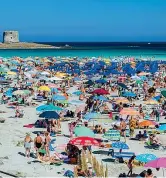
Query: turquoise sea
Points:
[157, 51]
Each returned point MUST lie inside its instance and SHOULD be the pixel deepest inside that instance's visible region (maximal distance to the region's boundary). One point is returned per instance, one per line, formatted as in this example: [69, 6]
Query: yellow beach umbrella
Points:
[11, 73]
[151, 102]
[44, 88]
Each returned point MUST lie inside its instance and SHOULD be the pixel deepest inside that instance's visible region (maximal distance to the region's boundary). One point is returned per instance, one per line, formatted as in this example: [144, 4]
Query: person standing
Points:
[27, 145]
[47, 143]
[123, 128]
[38, 142]
[130, 165]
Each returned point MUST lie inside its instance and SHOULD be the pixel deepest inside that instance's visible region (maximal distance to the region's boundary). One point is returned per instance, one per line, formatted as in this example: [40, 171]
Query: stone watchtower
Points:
[10, 37]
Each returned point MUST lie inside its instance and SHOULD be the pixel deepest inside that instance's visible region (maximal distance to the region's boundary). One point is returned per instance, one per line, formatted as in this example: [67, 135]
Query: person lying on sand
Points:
[49, 159]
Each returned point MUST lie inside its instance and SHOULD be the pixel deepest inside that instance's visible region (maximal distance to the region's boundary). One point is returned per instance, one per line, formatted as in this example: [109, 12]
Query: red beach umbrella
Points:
[101, 91]
[84, 141]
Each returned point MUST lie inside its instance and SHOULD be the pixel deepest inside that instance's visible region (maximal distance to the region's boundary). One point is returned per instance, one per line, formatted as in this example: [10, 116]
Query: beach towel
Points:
[113, 135]
[29, 125]
[69, 173]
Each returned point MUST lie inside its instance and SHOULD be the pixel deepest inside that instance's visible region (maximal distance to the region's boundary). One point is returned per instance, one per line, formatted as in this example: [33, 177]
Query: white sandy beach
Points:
[12, 132]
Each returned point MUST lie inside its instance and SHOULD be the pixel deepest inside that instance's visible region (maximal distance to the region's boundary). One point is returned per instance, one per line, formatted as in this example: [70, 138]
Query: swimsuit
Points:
[27, 145]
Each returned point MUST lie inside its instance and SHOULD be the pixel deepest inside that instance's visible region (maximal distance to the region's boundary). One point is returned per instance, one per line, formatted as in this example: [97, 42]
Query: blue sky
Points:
[85, 20]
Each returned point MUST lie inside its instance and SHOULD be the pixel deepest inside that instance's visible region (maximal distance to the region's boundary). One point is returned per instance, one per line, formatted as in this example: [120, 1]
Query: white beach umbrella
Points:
[55, 79]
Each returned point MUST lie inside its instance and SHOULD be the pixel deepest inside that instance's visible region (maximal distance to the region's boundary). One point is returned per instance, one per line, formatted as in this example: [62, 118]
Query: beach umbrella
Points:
[83, 131]
[52, 85]
[14, 70]
[89, 82]
[135, 77]
[54, 90]
[129, 111]
[11, 73]
[84, 141]
[100, 92]
[163, 93]
[44, 88]
[157, 98]
[102, 81]
[102, 98]
[58, 97]
[55, 79]
[93, 115]
[162, 127]
[147, 123]
[48, 108]
[122, 100]
[21, 92]
[143, 74]
[122, 85]
[120, 145]
[49, 115]
[157, 163]
[45, 73]
[76, 102]
[151, 102]
[78, 93]
[2, 70]
[145, 158]
[129, 94]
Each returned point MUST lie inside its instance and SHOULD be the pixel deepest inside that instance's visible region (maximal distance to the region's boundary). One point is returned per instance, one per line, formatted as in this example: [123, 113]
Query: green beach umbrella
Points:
[163, 93]
[83, 131]
[139, 82]
[62, 101]
[2, 70]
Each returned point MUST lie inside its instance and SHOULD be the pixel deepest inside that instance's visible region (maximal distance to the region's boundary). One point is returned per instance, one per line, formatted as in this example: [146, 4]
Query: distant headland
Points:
[11, 41]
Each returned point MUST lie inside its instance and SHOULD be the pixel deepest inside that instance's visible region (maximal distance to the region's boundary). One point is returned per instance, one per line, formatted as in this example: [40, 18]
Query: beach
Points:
[96, 94]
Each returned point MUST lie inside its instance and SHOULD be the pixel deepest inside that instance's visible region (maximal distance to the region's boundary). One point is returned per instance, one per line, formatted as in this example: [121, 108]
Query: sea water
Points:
[106, 50]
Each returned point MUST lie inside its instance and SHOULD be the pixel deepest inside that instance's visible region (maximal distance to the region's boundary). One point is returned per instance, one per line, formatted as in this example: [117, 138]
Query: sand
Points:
[12, 132]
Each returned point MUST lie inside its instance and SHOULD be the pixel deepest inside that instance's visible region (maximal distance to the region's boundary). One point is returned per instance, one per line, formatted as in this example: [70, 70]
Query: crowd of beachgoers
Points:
[90, 117]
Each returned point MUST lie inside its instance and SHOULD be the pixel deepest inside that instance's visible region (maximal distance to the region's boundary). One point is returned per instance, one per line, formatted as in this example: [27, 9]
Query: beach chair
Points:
[113, 135]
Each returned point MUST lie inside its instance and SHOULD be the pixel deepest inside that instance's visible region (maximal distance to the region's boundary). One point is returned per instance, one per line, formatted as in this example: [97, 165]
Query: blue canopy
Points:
[102, 98]
[102, 81]
[49, 115]
[129, 94]
[58, 97]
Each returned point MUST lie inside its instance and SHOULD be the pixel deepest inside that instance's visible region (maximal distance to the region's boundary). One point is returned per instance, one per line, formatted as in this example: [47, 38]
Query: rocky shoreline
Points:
[24, 45]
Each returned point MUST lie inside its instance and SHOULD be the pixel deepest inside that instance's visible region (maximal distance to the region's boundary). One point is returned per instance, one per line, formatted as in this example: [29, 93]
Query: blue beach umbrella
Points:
[76, 102]
[129, 94]
[120, 145]
[78, 93]
[122, 85]
[58, 97]
[157, 98]
[92, 115]
[144, 158]
[102, 81]
[162, 127]
[54, 90]
[49, 115]
[48, 108]
[102, 98]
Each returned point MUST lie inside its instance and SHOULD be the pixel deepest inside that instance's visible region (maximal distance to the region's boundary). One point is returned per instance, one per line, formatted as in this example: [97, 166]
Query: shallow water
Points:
[158, 51]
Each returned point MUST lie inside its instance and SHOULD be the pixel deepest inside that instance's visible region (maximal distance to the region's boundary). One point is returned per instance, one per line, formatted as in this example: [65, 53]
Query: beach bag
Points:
[121, 160]
[69, 173]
